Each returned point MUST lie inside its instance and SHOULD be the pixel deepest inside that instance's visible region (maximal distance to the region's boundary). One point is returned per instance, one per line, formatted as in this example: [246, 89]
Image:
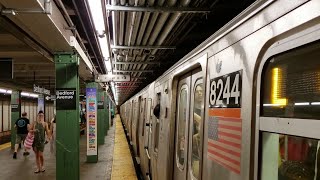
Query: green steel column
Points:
[106, 109]
[15, 114]
[92, 123]
[67, 114]
[101, 117]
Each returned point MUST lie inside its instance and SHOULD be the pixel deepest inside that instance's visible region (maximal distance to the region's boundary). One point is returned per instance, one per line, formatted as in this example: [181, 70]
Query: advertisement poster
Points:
[40, 102]
[91, 121]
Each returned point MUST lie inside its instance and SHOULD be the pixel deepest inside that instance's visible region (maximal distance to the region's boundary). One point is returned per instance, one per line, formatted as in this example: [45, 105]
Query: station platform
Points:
[123, 167]
[117, 167]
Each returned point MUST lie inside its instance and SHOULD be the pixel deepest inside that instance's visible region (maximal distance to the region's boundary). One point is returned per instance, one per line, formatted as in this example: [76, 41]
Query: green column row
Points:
[67, 117]
[15, 114]
[101, 116]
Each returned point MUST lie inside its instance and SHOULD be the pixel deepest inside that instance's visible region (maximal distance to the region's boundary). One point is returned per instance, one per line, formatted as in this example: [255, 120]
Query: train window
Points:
[182, 118]
[287, 157]
[291, 84]
[157, 124]
[197, 120]
[144, 116]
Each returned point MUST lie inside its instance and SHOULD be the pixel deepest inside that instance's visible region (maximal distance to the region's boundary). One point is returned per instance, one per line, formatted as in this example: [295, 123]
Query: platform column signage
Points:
[106, 110]
[67, 116]
[92, 117]
[41, 104]
[15, 114]
[101, 117]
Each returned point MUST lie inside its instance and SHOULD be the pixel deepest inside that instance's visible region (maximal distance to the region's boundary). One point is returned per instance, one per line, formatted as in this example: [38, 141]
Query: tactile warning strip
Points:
[122, 167]
[4, 146]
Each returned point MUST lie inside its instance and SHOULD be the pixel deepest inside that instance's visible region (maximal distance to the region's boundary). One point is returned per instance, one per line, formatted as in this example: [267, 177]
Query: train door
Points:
[188, 149]
[147, 136]
[288, 118]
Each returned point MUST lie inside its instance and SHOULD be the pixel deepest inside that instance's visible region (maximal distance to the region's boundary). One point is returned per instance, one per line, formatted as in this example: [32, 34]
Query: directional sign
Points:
[112, 77]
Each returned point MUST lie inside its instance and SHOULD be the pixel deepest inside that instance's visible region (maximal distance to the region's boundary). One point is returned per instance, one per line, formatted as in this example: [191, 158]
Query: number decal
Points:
[235, 89]
[226, 91]
[213, 94]
[222, 86]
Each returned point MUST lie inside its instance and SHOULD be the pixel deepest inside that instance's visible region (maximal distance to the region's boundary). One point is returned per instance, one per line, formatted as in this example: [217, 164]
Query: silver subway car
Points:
[243, 105]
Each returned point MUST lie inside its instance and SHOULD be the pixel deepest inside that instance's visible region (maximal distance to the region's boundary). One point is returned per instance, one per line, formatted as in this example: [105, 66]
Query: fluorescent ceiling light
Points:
[25, 94]
[271, 105]
[3, 90]
[302, 104]
[97, 15]
[315, 103]
[98, 20]
[34, 95]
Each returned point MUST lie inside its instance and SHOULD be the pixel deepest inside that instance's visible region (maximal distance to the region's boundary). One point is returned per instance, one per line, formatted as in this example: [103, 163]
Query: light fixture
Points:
[3, 91]
[98, 21]
[302, 104]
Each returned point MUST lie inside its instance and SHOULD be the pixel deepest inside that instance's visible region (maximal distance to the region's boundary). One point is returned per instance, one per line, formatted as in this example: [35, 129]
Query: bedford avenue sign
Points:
[40, 90]
[66, 98]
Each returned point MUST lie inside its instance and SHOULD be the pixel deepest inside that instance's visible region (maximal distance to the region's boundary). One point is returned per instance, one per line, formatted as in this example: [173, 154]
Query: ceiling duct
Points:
[151, 58]
[146, 51]
[125, 52]
[115, 51]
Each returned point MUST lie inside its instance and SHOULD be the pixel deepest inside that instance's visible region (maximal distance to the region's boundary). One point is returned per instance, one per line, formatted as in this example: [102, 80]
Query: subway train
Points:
[243, 105]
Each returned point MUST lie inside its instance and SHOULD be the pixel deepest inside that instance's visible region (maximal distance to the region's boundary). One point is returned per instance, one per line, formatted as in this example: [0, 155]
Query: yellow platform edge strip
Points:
[5, 146]
[122, 165]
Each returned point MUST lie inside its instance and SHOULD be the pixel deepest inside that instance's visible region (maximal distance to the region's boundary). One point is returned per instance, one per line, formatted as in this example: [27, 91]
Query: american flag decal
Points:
[224, 137]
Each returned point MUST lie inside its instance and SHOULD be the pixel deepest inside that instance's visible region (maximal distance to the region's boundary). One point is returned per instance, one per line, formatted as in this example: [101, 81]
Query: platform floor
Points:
[22, 168]
[123, 167]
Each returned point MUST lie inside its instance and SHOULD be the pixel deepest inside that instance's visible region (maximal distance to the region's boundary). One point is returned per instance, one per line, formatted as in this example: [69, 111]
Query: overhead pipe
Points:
[158, 28]
[173, 20]
[115, 15]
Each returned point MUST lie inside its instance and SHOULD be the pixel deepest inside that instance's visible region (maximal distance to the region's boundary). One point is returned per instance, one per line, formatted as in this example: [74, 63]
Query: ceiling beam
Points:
[157, 9]
[146, 71]
[9, 26]
[14, 48]
[143, 47]
[137, 63]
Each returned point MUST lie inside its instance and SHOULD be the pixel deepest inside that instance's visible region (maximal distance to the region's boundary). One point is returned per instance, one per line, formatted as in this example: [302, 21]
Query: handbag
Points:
[29, 141]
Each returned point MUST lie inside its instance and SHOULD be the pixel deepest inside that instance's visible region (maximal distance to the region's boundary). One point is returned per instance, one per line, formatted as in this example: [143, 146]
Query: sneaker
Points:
[15, 155]
[26, 153]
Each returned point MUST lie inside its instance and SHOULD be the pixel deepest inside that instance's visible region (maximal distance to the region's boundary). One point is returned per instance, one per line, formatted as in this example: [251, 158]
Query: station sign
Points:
[40, 90]
[66, 99]
[112, 77]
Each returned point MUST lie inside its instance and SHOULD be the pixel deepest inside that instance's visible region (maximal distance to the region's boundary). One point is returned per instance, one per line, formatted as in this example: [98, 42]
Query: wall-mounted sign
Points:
[15, 108]
[66, 99]
[40, 90]
[91, 121]
[112, 77]
[100, 105]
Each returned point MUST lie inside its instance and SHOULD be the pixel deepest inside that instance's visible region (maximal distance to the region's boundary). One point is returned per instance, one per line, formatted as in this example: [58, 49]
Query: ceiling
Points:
[146, 38]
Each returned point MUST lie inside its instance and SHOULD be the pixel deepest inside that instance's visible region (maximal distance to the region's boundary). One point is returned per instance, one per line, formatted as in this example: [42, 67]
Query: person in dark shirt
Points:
[22, 125]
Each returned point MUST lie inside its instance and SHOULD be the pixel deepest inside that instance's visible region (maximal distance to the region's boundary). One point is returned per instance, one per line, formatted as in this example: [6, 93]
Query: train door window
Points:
[144, 115]
[197, 121]
[289, 115]
[182, 119]
[157, 112]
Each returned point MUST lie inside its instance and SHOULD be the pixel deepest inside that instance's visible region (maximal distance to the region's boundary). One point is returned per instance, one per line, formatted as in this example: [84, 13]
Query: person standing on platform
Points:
[22, 125]
[40, 127]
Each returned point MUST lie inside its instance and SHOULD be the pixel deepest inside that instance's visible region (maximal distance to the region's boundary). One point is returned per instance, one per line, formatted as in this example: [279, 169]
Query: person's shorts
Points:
[20, 138]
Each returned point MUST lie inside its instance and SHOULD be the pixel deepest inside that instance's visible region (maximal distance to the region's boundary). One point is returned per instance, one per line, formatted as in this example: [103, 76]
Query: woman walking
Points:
[40, 127]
